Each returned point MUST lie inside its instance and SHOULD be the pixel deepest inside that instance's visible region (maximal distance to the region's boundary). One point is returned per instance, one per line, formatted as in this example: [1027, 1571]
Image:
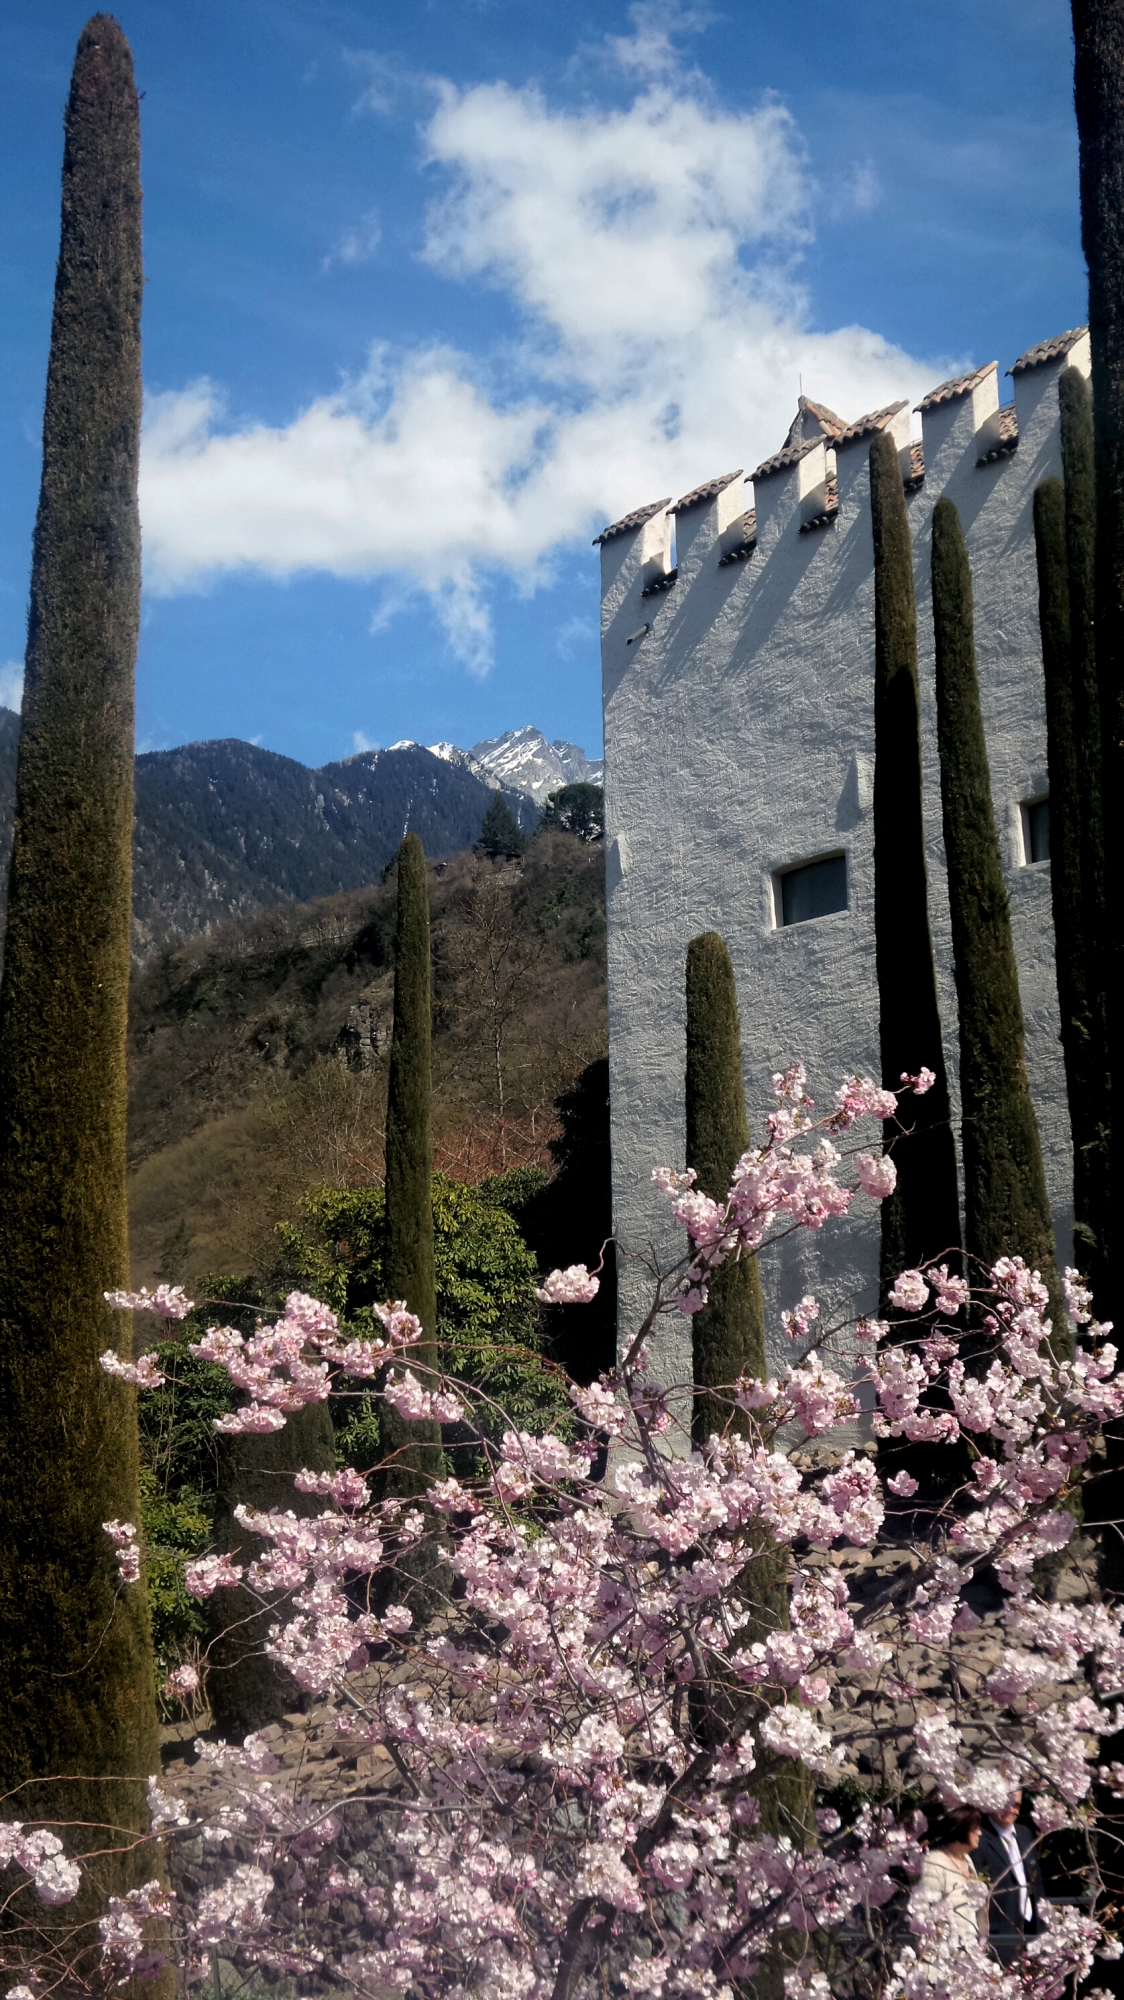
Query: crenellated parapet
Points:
[738, 657]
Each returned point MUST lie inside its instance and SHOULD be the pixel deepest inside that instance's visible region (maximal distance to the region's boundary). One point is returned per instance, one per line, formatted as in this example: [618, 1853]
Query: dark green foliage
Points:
[487, 1312]
[578, 809]
[570, 1221]
[415, 1448]
[922, 1217]
[1092, 1140]
[1098, 30]
[728, 1336]
[75, 1652]
[1082, 1040]
[501, 836]
[1005, 1205]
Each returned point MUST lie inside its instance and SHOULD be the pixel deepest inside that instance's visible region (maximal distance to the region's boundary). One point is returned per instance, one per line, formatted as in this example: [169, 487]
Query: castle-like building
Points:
[738, 674]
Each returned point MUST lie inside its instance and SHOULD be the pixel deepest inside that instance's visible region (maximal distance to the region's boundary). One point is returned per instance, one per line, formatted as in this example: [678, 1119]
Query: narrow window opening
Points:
[816, 890]
[1036, 830]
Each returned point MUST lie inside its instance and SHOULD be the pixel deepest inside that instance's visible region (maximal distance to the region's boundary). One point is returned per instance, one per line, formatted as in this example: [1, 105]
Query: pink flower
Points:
[167, 1300]
[903, 1484]
[923, 1081]
[878, 1176]
[253, 1421]
[798, 1323]
[571, 1287]
[952, 1292]
[143, 1374]
[182, 1680]
[910, 1292]
[861, 1097]
[210, 1573]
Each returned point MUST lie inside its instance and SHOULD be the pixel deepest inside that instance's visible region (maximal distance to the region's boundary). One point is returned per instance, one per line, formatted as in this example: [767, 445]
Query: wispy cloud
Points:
[356, 245]
[652, 250]
[11, 685]
[361, 742]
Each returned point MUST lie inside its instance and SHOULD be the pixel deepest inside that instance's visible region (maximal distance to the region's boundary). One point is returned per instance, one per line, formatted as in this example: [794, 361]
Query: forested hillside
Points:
[257, 1053]
[223, 829]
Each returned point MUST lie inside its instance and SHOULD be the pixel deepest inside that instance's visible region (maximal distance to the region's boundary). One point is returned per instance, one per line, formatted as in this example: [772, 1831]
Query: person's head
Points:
[958, 1829]
[1009, 1813]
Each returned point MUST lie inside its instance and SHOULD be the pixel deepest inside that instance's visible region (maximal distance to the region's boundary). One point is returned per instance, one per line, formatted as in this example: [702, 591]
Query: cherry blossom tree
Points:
[583, 1726]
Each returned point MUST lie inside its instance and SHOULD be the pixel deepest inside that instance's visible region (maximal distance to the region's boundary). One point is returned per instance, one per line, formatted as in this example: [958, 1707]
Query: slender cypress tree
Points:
[1078, 461]
[1006, 1210]
[414, 1449]
[1098, 31]
[1073, 894]
[75, 1655]
[921, 1219]
[729, 1334]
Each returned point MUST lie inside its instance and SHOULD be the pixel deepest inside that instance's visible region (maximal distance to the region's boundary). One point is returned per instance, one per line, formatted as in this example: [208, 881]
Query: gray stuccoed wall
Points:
[739, 740]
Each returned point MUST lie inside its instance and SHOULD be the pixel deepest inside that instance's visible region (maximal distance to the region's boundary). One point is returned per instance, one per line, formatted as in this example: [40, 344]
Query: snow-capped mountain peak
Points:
[523, 761]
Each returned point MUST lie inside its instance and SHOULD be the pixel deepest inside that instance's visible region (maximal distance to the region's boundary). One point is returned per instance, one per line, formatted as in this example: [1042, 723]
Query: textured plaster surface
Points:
[739, 740]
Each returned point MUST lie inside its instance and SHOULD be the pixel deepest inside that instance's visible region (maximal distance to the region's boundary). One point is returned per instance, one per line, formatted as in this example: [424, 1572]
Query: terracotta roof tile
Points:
[791, 454]
[877, 421]
[962, 386]
[742, 550]
[916, 468]
[709, 491]
[1007, 438]
[1047, 350]
[828, 513]
[629, 521]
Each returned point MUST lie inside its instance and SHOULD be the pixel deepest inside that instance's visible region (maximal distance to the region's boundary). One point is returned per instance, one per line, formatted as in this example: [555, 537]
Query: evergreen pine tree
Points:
[75, 1657]
[921, 1219]
[1006, 1211]
[728, 1335]
[500, 835]
[412, 1449]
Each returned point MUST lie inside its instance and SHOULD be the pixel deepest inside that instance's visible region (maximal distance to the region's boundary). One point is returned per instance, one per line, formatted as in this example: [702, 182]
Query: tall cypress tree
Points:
[75, 1656]
[413, 1448]
[729, 1334]
[1073, 893]
[1078, 461]
[1098, 30]
[1006, 1210]
[921, 1219]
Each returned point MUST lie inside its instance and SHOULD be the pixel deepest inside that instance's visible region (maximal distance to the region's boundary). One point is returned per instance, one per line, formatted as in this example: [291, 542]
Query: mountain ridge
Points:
[224, 827]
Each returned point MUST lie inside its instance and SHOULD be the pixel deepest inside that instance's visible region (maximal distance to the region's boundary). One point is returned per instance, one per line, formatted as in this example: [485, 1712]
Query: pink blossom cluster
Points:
[578, 1736]
[575, 1286]
[168, 1301]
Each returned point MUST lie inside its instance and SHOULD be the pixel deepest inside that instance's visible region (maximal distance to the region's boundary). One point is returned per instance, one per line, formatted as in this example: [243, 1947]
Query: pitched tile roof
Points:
[960, 387]
[629, 521]
[830, 425]
[790, 454]
[916, 468]
[876, 421]
[1007, 437]
[828, 513]
[1047, 350]
[709, 491]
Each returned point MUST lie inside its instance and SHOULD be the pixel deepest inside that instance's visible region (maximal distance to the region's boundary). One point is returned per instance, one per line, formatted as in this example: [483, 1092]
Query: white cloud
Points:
[356, 245]
[576, 635]
[11, 684]
[360, 742]
[652, 252]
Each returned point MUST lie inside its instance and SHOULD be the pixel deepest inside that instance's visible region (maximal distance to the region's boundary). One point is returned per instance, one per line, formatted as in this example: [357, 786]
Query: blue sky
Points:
[433, 292]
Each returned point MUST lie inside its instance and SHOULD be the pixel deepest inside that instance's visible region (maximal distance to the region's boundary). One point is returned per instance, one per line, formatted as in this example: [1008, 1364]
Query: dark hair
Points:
[959, 1823]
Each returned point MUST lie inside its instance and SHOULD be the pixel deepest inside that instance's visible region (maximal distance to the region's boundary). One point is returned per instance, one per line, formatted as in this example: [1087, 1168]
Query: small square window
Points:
[1036, 831]
[815, 890]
